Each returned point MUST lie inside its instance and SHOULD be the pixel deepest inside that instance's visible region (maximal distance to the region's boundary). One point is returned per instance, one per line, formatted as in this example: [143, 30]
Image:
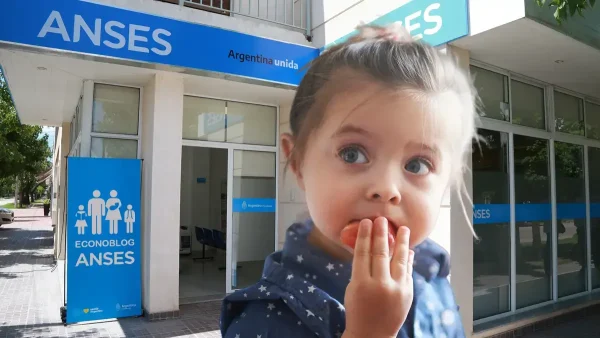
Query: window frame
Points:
[137, 136]
[550, 134]
[226, 100]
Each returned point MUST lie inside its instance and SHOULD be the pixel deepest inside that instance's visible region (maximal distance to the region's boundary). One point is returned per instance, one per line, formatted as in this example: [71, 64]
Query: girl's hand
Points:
[380, 292]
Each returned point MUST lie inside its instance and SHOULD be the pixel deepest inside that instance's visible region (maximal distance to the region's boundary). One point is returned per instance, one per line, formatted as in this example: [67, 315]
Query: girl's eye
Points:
[418, 166]
[353, 155]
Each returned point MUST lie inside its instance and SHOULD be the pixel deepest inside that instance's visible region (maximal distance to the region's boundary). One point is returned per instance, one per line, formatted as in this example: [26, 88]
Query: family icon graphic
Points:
[129, 218]
[96, 209]
[110, 210]
[113, 215]
[81, 223]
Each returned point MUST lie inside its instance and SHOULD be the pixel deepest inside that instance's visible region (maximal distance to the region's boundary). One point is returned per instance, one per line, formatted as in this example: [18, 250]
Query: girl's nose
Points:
[386, 191]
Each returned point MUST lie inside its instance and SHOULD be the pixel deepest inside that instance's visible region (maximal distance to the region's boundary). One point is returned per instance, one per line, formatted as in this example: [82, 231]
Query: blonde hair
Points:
[389, 55]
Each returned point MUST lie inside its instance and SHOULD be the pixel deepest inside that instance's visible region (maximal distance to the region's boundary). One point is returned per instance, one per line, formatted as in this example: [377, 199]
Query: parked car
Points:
[7, 216]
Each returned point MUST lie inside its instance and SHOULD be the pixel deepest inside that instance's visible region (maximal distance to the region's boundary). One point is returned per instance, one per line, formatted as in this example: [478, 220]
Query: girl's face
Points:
[377, 153]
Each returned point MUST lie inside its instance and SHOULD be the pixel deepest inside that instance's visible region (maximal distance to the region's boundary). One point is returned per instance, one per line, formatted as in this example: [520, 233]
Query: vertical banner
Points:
[103, 239]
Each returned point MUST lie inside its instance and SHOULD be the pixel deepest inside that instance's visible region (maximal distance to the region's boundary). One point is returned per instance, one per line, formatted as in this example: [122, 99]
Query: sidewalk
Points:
[31, 296]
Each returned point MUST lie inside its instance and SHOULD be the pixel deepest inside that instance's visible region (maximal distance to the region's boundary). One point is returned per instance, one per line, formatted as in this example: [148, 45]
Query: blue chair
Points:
[203, 236]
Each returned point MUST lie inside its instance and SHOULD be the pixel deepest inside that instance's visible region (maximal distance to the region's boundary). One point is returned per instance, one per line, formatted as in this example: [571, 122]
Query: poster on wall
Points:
[103, 239]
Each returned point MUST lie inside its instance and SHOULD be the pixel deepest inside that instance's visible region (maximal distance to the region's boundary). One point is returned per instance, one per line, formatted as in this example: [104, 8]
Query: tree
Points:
[24, 150]
[563, 9]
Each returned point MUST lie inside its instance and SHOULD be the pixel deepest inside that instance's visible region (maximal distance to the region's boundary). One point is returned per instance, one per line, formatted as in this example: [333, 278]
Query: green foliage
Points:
[564, 9]
[7, 186]
[24, 148]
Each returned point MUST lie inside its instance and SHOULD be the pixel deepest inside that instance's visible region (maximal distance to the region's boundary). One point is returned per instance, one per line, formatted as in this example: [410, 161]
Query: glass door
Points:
[251, 233]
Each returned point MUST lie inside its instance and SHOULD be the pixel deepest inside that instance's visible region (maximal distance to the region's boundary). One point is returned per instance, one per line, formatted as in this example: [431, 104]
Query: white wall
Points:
[60, 187]
[342, 17]
[238, 23]
[455, 233]
[485, 14]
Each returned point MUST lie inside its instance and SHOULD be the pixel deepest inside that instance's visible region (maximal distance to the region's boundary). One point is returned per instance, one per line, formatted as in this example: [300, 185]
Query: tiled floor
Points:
[31, 297]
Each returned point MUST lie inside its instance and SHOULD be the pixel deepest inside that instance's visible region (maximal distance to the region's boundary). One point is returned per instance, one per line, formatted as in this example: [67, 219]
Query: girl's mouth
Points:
[349, 234]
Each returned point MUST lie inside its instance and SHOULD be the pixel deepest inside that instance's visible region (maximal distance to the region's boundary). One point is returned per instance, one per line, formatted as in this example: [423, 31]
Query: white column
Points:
[162, 114]
[65, 143]
[87, 105]
[459, 233]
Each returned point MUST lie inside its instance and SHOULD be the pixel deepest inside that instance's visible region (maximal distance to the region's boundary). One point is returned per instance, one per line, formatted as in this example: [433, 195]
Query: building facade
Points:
[201, 91]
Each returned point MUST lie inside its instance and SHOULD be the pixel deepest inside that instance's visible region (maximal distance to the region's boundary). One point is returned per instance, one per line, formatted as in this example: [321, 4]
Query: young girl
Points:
[381, 127]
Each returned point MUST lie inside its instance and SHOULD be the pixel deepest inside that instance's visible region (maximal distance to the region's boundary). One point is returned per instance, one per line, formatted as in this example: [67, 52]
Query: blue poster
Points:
[96, 29]
[254, 205]
[103, 238]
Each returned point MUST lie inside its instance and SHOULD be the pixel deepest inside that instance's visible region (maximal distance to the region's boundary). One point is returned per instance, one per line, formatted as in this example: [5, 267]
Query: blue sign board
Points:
[254, 205]
[500, 213]
[103, 239]
[434, 21]
[96, 29]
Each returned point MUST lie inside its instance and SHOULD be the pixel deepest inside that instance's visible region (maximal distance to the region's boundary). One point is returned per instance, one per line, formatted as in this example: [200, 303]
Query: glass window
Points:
[251, 124]
[115, 110]
[113, 148]
[533, 226]
[568, 113]
[592, 117]
[254, 187]
[570, 218]
[203, 119]
[492, 88]
[491, 219]
[594, 172]
[234, 122]
[528, 107]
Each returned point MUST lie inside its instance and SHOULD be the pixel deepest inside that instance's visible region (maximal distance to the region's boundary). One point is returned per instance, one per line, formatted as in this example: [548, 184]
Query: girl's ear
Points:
[287, 144]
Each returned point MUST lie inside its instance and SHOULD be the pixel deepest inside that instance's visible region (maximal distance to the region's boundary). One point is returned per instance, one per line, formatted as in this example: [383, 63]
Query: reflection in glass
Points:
[116, 109]
[203, 119]
[594, 173]
[533, 217]
[492, 88]
[251, 124]
[491, 219]
[113, 148]
[570, 220]
[568, 112]
[592, 119]
[254, 187]
[528, 107]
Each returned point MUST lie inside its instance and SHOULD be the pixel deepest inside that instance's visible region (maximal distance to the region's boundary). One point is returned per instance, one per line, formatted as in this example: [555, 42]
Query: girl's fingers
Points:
[380, 252]
[411, 262]
[361, 265]
[400, 261]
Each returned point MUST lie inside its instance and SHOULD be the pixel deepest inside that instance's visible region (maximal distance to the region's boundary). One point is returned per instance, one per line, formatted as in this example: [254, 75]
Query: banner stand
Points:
[102, 239]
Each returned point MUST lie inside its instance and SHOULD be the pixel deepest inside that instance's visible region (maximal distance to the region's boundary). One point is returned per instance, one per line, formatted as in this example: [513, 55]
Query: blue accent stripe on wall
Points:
[500, 213]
